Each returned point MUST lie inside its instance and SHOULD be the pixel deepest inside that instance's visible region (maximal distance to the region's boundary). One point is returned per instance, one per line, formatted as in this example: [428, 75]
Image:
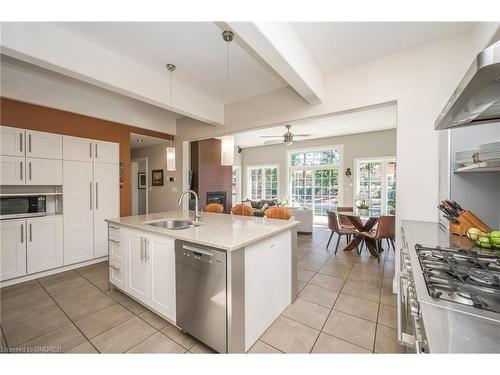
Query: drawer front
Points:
[116, 232]
[117, 250]
[117, 274]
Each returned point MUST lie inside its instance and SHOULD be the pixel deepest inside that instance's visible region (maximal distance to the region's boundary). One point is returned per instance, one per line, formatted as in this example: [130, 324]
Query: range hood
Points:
[476, 100]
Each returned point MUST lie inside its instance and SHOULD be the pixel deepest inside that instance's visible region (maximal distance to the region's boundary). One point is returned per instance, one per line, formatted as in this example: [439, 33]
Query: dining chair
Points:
[282, 213]
[215, 208]
[344, 220]
[335, 227]
[386, 230]
[242, 210]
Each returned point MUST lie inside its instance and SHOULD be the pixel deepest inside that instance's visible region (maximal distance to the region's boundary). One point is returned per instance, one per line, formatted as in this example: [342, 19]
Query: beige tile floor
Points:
[345, 305]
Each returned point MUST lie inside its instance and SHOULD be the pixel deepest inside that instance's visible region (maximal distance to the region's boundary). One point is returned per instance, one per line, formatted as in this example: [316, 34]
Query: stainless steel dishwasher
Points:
[200, 275]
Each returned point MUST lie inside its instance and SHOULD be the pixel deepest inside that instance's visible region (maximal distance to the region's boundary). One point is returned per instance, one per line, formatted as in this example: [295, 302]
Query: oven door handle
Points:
[403, 337]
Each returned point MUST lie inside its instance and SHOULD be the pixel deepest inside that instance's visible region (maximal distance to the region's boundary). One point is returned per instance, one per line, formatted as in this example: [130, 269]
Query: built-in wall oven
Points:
[14, 207]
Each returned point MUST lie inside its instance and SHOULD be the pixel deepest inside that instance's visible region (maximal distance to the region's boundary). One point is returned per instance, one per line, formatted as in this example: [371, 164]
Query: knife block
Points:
[466, 221]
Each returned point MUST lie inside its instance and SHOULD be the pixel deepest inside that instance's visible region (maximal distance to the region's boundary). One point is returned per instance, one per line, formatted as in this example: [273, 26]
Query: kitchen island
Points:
[224, 279]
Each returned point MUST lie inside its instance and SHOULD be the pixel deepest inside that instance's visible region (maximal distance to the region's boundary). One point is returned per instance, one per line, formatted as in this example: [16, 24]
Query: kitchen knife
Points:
[445, 210]
[456, 206]
[450, 208]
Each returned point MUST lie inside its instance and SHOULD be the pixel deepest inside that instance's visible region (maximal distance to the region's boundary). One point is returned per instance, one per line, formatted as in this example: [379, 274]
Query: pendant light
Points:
[170, 151]
[227, 144]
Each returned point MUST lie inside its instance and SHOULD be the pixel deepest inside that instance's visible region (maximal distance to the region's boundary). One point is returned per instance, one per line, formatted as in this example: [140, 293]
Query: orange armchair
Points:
[282, 213]
[242, 210]
[215, 208]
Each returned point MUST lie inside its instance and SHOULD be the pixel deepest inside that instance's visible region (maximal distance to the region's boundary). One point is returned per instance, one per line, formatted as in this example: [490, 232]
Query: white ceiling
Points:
[196, 48]
[336, 45]
[138, 141]
[368, 120]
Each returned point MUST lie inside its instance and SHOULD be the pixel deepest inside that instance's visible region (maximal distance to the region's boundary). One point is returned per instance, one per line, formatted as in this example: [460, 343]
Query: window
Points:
[314, 180]
[263, 182]
[236, 184]
[376, 183]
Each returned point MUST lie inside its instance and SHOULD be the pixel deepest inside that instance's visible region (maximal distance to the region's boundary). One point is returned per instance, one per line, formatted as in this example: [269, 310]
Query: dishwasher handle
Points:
[198, 250]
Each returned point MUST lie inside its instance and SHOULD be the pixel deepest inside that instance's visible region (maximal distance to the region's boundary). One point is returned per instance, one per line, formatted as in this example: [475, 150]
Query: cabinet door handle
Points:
[31, 232]
[90, 192]
[90, 150]
[96, 151]
[21, 142]
[22, 233]
[96, 195]
[115, 268]
[114, 227]
[146, 255]
[21, 170]
[114, 241]
[29, 142]
[29, 165]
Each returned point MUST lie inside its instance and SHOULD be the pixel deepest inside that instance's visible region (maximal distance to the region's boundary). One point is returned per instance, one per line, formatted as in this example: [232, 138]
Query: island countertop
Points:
[222, 231]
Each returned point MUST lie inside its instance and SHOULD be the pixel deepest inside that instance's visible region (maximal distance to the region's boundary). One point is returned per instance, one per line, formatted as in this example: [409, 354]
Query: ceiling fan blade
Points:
[270, 142]
[271, 136]
[303, 135]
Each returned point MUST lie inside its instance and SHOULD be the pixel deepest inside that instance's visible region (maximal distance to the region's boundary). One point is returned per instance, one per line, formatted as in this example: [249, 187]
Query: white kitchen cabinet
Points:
[44, 171]
[137, 266]
[106, 152]
[13, 248]
[44, 243]
[160, 257]
[76, 148]
[106, 203]
[12, 141]
[43, 145]
[78, 211]
[12, 170]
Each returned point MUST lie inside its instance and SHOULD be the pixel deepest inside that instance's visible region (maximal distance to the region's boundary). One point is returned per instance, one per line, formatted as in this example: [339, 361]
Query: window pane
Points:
[391, 188]
[314, 158]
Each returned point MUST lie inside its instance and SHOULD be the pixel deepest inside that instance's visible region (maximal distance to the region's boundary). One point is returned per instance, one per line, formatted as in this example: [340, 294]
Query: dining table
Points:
[363, 221]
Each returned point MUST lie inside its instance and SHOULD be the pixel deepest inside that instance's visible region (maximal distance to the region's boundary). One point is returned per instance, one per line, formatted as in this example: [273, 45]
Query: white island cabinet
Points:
[259, 256]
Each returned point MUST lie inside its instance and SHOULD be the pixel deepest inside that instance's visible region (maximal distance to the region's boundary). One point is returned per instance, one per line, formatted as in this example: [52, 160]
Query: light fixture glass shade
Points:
[227, 151]
[171, 159]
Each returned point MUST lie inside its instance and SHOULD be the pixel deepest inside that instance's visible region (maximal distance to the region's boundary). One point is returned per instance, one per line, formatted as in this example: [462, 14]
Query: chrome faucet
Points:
[197, 212]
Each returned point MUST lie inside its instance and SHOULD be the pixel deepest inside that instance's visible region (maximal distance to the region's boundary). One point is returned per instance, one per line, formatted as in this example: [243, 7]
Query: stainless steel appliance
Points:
[201, 298]
[462, 276]
[476, 100]
[14, 207]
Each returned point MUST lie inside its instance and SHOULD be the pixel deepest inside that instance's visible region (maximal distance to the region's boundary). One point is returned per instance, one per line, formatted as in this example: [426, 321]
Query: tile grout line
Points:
[72, 322]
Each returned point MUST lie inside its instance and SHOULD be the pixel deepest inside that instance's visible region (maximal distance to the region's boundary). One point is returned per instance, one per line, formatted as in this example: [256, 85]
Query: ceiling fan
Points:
[288, 137]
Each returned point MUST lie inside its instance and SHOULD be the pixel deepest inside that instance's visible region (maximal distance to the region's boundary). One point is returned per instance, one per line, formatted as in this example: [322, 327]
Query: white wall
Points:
[419, 79]
[31, 84]
[363, 145]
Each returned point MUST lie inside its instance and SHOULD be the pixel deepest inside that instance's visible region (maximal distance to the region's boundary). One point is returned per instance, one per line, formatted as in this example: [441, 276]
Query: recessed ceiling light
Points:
[140, 140]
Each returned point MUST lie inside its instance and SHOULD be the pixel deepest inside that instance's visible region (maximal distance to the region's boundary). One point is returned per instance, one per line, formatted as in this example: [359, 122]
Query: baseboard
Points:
[22, 279]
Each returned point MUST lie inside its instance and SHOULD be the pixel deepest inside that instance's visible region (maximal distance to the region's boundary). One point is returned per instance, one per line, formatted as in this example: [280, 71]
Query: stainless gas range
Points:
[463, 276]
[448, 292]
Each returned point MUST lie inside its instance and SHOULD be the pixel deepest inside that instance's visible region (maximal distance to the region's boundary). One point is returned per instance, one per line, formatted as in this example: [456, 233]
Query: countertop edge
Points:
[149, 229]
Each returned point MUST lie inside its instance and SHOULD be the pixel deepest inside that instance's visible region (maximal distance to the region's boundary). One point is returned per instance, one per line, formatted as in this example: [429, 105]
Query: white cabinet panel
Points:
[160, 256]
[12, 170]
[75, 148]
[12, 141]
[44, 243]
[13, 248]
[106, 203]
[78, 211]
[106, 152]
[43, 171]
[43, 145]
[137, 266]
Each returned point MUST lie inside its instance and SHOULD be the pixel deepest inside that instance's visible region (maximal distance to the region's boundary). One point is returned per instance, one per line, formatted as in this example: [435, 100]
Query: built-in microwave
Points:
[22, 206]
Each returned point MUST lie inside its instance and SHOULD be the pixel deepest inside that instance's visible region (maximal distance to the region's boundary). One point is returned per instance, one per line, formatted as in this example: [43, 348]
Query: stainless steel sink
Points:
[174, 224]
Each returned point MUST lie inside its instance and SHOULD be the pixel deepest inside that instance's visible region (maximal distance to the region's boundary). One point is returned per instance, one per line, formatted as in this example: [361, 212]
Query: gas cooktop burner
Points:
[462, 276]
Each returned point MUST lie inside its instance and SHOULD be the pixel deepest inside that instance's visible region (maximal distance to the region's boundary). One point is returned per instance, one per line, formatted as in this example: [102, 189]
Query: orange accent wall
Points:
[34, 117]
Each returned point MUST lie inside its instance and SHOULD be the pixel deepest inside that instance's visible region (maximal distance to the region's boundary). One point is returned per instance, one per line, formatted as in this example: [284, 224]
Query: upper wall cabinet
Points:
[106, 152]
[84, 149]
[43, 145]
[12, 141]
[77, 149]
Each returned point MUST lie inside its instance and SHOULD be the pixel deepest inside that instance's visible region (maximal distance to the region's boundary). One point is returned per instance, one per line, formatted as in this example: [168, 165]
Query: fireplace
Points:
[217, 197]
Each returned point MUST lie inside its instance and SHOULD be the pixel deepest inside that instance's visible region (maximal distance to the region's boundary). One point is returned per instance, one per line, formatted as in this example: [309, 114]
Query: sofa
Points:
[260, 206]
